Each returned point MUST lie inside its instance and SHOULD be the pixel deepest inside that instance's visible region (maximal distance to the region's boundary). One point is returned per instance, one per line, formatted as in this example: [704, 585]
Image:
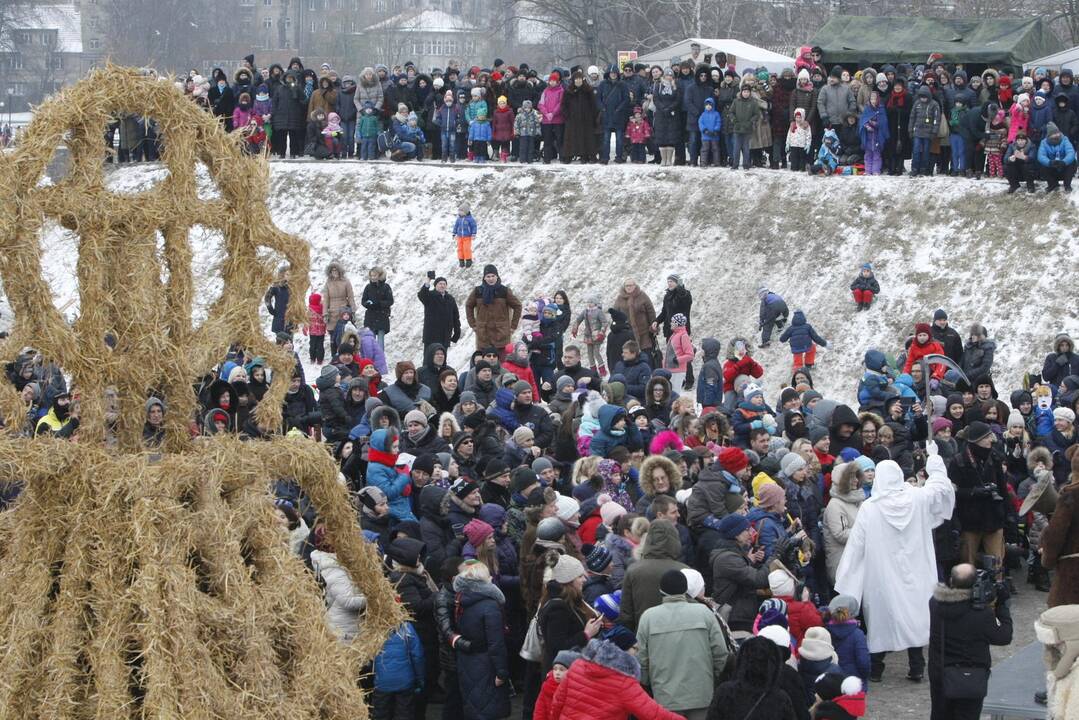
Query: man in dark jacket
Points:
[633, 368]
[844, 430]
[276, 300]
[773, 314]
[980, 493]
[676, 300]
[614, 105]
[441, 317]
[331, 403]
[289, 116]
[532, 416]
[1062, 362]
[640, 587]
[377, 300]
[947, 336]
[737, 573]
[960, 635]
[693, 102]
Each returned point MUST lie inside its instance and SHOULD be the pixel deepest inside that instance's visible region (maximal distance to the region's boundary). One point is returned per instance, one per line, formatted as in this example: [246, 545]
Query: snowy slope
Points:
[953, 243]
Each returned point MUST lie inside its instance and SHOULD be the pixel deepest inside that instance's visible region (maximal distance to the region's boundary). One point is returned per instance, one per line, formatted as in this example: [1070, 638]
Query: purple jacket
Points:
[369, 348]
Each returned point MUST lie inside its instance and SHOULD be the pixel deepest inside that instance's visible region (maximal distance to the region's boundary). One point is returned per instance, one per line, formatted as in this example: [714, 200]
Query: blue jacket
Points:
[801, 334]
[399, 667]
[464, 226]
[613, 101]
[851, 647]
[879, 117]
[502, 412]
[637, 374]
[769, 526]
[386, 478]
[873, 390]
[1063, 150]
[710, 380]
[479, 131]
[447, 116]
[710, 122]
[605, 440]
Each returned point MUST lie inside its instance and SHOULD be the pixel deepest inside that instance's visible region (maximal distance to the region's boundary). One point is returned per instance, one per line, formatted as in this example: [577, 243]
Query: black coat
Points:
[975, 507]
[301, 409]
[675, 301]
[335, 419]
[276, 300]
[482, 623]
[377, 300]
[289, 110]
[561, 627]
[961, 635]
[582, 120]
[223, 102]
[951, 342]
[667, 125]
[441, 317]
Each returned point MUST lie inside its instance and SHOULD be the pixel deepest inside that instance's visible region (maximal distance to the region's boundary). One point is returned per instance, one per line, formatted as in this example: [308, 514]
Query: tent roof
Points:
[1057, 61]
[745, 55]
[850, 39]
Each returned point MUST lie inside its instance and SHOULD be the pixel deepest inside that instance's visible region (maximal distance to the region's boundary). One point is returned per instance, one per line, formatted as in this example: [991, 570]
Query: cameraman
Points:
[961, 629]
[977, 471]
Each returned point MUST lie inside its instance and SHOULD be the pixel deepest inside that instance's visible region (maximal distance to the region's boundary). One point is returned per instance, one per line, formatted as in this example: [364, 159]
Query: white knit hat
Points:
[565, 571]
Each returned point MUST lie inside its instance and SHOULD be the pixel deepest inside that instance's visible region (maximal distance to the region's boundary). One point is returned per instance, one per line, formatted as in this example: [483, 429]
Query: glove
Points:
[1058, 164]
[756, 424]
[1062, 360]
[981, 492]
[599, 337]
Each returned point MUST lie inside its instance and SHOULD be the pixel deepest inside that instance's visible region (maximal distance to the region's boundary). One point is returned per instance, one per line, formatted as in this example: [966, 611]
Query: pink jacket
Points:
[638, 133]
[679, 351]
[550, 105]
[1020, 121]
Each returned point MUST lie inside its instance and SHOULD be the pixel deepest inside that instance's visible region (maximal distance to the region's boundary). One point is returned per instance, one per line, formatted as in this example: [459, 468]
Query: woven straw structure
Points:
[138, 585]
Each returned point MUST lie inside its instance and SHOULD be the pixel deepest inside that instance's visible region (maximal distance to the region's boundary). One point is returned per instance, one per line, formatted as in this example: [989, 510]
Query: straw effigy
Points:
[137, 585]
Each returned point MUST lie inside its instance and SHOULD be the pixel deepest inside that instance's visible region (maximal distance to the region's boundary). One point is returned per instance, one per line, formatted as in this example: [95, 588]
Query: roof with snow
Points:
[740, 54]
[429, 21]
[65, 19]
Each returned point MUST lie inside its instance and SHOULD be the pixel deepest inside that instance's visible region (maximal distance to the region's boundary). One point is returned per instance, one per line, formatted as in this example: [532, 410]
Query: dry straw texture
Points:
[137, 585]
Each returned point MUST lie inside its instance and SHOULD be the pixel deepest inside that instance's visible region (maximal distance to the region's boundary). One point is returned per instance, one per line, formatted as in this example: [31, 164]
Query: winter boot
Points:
[468, 263]
[503, 156]
[461, 262]
[471, 156]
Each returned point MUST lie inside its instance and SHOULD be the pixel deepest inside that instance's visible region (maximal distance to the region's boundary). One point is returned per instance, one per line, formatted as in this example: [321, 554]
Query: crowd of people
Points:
[943, 118]
[615, 520]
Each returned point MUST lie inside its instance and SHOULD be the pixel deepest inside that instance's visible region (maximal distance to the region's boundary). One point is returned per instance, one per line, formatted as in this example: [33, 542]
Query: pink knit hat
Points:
[611, 511]
[477, 531]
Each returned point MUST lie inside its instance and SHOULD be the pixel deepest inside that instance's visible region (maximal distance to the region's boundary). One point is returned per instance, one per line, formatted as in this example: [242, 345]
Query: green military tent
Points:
[851, 39]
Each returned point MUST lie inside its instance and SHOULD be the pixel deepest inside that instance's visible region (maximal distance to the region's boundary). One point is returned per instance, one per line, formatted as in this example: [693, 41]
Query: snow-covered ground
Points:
[1004, 261]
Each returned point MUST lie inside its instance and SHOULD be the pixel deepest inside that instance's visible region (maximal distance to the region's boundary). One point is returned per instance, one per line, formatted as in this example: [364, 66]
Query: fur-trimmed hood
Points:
[731, 355]
[472, 591]
[944, 594]
[651, 385]
[844, 477]
[649, 466]
[606, 654]
[1039, 455]
[340, 270]
[384, 411]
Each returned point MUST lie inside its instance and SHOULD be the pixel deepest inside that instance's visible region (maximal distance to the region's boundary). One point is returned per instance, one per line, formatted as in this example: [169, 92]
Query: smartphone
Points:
[430, 274]
[907, 402]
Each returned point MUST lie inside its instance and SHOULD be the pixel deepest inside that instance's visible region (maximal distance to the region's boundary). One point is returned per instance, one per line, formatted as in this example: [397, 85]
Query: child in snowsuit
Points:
[594, 321]
[367, 132]
[828, 155]
[865, 287]
[479, 134]
[262, 108]
[526, 126]
[802, 337]
[254, 136]
[710, 124]
[331, 134]
[559, 668]
[799, 140]
[464, 231]
[996, 134]
[315, 329]
[447, 116]
[922, 345]
[638, 131]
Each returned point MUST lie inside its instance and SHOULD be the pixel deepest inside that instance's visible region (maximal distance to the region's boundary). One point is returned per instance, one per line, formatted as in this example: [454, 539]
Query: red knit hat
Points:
[555, 76]
[922, 328]
[496, 76]
[477, 531]
[733, 460]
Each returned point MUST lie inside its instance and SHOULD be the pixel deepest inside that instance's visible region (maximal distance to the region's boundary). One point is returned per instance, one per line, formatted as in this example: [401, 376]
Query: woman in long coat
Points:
[638, 307]
[668, 129]
[582, 114]
[484, 673]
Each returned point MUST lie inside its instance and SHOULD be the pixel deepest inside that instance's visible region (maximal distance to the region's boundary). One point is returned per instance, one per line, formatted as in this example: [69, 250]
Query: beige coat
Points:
[839, 514]
[336, 295]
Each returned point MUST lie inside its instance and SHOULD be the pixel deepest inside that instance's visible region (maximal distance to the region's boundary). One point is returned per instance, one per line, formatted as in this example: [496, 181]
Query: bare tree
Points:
[166, 34]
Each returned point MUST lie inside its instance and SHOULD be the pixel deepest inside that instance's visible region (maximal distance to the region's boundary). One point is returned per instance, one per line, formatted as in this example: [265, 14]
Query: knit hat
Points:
[1062, 413]
[694, 582]
[678, 320]
[752, 391]
[370, 496]
[731, 526]
[521, 386]
[415, 416]
[541, 464]
[771, 496]
[845, 602]
[939, 314]
[523, 434]
[329, 371]
[978, 430]
[477, 531]
[521, 479]
[837, 72]
[490, 269]
[609, 605]
[941, 423]
[597, 558]
[565, 658]
[567, 508]
[463, 487]
[778, 634]
[425, 462]
[865, 463]
[565, 571]
[469, 395]
[550, 529]
[733, 460]
[817, 645]
[922, 328]
[818, 433]
[496, 468]
[402, 367]
[1015, 419]
[781, 583]
[733, 501]
[610, 511]
[464, 208]
[673, 582]
[791, 463]
[773, 611]
[846, 692]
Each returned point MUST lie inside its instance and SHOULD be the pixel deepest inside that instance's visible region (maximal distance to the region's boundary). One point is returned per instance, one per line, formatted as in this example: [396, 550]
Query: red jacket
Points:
[502, 125]
[542, 711]
[801, 616]
[522, 373]
[733, 368]
[917, 352]
[594, 691]
[587, 531]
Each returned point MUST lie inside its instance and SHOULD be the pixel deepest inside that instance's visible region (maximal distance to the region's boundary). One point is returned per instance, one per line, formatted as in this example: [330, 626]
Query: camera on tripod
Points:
[986, 585]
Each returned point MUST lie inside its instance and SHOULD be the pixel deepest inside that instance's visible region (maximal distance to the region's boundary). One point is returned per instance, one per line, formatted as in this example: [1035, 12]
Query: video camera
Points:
[986, 586]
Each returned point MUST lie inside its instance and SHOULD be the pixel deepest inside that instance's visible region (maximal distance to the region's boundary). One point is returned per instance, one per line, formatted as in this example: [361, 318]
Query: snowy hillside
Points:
[1001, 260]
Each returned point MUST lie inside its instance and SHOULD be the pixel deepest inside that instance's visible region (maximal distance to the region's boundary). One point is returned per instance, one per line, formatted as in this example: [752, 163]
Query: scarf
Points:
[490, 292]
[412, 390]
[897, 99]
[382, 457]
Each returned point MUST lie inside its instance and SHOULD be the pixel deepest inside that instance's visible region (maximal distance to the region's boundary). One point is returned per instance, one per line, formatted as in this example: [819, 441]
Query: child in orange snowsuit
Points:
[464, 230]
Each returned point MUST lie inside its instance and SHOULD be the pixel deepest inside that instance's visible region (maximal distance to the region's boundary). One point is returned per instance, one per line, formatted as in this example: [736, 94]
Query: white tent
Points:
[1065, 59]
[743, 55]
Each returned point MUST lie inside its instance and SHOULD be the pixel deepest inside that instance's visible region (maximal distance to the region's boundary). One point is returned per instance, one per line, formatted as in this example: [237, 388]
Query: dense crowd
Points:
[943, 118]
[615, 520]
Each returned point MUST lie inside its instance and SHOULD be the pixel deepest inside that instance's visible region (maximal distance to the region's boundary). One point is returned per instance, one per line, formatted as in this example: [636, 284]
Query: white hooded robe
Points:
[889, 564]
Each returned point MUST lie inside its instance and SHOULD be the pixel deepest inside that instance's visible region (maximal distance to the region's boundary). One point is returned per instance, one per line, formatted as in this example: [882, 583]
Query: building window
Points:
[18, 89]
[312, 26]
[267, 23]
[247, 2]
[15, 61]
[24, 38]
[312, 5]
[380, 6]
[56, 62]
[95, 44]
[288, 22]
